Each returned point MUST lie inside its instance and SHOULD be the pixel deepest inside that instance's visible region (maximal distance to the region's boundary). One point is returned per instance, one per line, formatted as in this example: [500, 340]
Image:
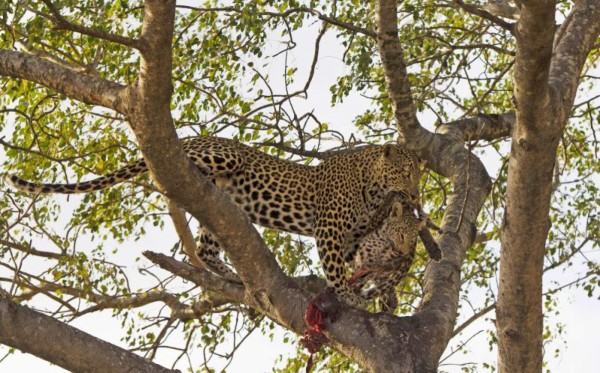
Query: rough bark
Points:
[487, 127]
[209, 281]
[75, 85]
[519, 308]
[64, 345]
[545, 85]
[395, 73]
[573, 43]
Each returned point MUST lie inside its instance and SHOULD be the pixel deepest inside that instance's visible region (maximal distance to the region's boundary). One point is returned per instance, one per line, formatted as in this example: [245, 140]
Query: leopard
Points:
[332, 201]
[386, 254]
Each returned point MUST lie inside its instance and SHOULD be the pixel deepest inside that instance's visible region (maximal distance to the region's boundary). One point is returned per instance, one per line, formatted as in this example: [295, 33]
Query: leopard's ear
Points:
[390, 151]
[387, 148]
[397, 209]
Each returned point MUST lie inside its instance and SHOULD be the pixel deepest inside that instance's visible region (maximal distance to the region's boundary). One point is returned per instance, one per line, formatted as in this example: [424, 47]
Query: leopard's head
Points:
[403, 226]
[399, 169]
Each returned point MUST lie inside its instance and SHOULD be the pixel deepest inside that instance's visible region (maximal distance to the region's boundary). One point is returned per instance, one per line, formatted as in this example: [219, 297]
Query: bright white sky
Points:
[577, 312]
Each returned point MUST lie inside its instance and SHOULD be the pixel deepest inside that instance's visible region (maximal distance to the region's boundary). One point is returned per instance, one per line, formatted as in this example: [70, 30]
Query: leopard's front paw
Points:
[350, 297]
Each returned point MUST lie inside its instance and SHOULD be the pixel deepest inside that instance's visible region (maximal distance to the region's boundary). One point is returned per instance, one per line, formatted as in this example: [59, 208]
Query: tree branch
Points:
[179, 310]
[75, 85]
[396, 76]
[535, 138]
[208, 281]
[62, 24]
[487, 127]
[33, 251]
[575, 42]
[183, 231]
[475, 10]
[35, 333]
[534, 34]
[472, 319]
[199, 276]
[153, 127]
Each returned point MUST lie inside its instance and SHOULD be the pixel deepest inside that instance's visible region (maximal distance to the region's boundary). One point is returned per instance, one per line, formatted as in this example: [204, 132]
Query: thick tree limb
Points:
[575, 43]
[354, 333]
[35, 333]
[75, 85]
[534, 34]
[153, 127]
[487, 127]
[396, 76]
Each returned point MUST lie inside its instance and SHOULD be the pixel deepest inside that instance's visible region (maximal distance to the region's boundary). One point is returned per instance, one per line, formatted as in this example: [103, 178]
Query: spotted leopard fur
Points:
[385, 255]
[333, 201]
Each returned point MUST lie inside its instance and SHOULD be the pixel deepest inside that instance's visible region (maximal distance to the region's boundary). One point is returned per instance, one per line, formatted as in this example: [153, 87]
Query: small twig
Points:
[32, 251]
[472, 319]
[62, 24]
[461, 345]
[321, 16]
[475, 10]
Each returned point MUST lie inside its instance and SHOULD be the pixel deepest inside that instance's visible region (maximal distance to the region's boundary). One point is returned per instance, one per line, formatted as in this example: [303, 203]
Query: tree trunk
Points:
[547, 69]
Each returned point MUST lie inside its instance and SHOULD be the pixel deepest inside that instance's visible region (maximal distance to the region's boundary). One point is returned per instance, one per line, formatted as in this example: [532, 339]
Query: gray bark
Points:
[78, 86]
[545, 87]
[519, 307]
[64, 345]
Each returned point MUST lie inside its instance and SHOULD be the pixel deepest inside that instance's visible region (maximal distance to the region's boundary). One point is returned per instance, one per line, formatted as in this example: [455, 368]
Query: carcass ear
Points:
[397, 209]
[422, 223]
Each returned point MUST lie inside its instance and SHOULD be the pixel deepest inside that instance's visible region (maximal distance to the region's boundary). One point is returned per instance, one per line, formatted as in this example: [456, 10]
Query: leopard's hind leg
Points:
[208, 252]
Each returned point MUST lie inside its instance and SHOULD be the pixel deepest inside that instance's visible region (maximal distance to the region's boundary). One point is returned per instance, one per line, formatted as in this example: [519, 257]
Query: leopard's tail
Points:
[102, 182]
